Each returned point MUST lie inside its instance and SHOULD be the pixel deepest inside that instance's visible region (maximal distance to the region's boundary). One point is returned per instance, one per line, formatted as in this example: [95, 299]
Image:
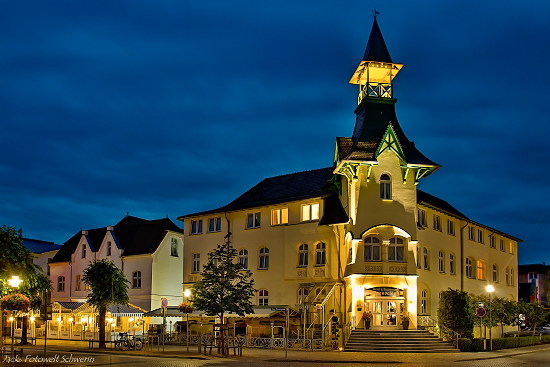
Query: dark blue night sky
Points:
[170, 107]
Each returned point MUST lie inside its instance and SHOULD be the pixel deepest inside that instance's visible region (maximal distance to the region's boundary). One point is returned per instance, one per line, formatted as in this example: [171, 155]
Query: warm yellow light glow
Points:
[15, 281]
[10, 319]
[109, 320]
[59, 319]
[71, 319]
[187, 293]
[131, 319]
[32, 318]
[490, 288]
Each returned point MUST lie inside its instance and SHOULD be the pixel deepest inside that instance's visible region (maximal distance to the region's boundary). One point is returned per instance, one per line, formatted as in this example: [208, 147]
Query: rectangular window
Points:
[422, 218]
[61, 284]
[215, 224]
[532, 276]
[492, 241]
[452, 263]
[108, 248]
[502, 245]
[310, 212]
[279, 216]
[83, 250]
[437, 222]
[471, 233]
[196, 226]
[450, 227]
[77, 282]
[511, 247]
[174, 247]
[196, 263]
[480, 237]
[136, 279]
[253, 220]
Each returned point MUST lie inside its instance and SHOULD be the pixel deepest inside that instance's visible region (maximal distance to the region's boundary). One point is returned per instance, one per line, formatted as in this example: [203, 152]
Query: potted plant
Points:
[405, 320]
[367, 318]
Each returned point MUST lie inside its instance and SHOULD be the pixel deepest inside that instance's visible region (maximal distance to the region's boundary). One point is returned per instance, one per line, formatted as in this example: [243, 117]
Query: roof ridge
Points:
[295, 173]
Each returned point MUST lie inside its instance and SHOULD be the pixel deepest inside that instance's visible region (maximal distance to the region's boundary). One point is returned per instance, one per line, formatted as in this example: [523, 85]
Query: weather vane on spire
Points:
[375, 13]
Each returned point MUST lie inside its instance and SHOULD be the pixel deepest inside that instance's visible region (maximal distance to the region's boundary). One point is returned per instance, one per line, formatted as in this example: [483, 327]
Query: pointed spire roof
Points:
[376, 47]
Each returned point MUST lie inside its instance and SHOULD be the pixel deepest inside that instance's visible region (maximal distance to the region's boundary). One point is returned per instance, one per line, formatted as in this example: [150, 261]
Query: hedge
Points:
[476, 345]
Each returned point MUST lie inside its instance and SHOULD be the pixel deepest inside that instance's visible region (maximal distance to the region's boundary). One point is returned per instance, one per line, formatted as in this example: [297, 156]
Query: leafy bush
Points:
[456, 313]
[471, 345]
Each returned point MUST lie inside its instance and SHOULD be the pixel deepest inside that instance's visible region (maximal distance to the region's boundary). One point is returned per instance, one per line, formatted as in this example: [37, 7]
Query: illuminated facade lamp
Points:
[187, 293]
[15, 281]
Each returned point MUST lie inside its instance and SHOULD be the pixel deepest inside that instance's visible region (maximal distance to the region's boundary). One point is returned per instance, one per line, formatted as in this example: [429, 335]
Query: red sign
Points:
[164, 302]
[481, 311]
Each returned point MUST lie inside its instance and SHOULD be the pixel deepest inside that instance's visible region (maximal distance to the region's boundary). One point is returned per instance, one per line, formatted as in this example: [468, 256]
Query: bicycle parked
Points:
[126, 342]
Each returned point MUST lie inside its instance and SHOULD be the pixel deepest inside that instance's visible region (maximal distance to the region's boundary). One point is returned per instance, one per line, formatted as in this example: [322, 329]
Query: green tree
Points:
[505, 312]
[455, 312]
[108, 286]
[15, 259]
[534, 314]
[225, 286]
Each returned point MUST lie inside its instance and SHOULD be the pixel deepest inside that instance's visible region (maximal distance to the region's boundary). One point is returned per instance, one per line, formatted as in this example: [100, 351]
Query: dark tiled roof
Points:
[424, 197]
[71, 305]
[279, 189]
[376, 46]
[133, 235]
[38, 246]
[538, 268]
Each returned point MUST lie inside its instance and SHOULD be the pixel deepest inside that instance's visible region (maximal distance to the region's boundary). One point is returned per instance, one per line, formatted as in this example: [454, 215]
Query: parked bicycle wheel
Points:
[138, 345]
[124, 345]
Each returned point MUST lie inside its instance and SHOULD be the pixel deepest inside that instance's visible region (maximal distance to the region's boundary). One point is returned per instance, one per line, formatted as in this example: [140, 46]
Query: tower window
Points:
[385, 187]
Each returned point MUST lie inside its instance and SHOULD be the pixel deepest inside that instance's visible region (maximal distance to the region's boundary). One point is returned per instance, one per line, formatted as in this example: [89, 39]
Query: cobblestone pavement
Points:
[177, 356]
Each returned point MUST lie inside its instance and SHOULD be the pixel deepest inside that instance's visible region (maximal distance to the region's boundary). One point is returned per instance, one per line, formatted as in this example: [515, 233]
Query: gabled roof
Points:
[278, 189]
[38, 246]
[134, 236]
[376, 46]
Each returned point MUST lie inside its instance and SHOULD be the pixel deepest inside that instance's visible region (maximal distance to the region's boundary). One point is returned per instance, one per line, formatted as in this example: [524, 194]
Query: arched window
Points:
[507, 276]
[303, 255]
[495, 272]
[426, 258]
[469, 268]
[136, 279]
[512, 280]
[424, 302]
[302, 294]
[385, 187]
[320, 254]
[372, 249]
[481, 270]
[441, 261]
[452, 264]
[61, 284]
[263, 297]
[396, 251]
[264, 258]
[243, 258]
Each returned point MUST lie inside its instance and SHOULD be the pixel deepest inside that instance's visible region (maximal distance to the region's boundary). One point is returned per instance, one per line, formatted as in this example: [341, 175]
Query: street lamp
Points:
[15, 281]
[187, 293]
[490, 289]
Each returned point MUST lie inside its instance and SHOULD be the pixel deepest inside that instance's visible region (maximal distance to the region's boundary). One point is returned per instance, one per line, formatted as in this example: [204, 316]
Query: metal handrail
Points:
[429, 322]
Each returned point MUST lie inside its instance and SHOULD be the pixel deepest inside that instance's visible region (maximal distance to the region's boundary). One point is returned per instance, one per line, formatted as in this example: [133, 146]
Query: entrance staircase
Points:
[396, 341]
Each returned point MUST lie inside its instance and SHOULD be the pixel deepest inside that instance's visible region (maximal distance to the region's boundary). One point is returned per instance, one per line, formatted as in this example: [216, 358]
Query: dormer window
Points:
[385, 187]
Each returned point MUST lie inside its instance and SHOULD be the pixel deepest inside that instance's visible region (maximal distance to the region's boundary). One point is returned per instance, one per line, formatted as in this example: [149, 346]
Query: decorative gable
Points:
[390, 142]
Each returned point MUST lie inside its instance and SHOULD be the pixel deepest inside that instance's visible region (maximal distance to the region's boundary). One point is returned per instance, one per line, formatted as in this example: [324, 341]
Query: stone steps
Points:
[398, 341]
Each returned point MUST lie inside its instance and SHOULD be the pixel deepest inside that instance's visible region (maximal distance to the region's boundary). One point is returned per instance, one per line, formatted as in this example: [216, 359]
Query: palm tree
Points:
[108, 286]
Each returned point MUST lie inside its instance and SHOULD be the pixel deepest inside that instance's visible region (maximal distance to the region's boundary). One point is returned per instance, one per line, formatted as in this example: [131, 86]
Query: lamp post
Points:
[490, 289]
[14, 283]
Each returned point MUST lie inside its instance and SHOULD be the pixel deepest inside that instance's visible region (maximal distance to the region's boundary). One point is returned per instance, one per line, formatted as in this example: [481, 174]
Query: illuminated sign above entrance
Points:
[385, 291]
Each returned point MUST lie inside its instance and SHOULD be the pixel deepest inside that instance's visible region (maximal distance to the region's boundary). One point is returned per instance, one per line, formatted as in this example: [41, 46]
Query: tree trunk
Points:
[222, 335]
[24, 328]
[102, 312]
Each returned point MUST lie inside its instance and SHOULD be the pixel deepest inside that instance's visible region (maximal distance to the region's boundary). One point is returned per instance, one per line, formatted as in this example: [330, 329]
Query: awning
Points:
[171, 311]
[259, 312]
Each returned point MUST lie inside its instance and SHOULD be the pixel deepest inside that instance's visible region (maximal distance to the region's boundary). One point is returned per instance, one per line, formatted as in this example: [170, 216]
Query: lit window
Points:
[136, 279]
[424, 302]
[481, 270]
[109, 248]
[471, 233]
[480, 237]
[452, 264]
[174, 247]
[61, 284]
[437, 222]
[83, 251]
[279, 216]
[469, 268]
[243, 259]
[450, 227]
[253, 220]
[492, 241]
[263, 297]
[422, 218]
[511, 247]
[196, 226]
[302, 294]
[303, 255]
[310, 212]
[264, 258]
[196, 263]
[441, 262]
[426, 257]
[372, 249]
[320, 254]
[78, 282]
[495, 273]
[396, 250]
[215, 224]
[385, 187]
